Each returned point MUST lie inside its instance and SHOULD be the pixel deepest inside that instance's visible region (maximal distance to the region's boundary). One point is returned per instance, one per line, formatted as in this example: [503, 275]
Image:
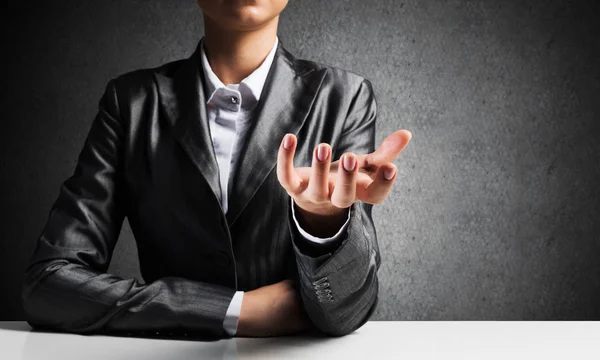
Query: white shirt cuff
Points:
[232, 315]
[319, 240]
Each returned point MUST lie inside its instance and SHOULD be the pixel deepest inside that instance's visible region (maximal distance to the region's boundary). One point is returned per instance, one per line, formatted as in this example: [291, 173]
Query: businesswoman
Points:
[247, 176]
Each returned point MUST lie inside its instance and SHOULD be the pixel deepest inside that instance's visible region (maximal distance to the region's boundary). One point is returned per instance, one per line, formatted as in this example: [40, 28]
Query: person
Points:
[223, 164]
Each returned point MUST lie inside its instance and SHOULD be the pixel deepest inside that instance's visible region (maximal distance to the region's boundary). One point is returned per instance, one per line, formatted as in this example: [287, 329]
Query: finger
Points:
[389, 149]
[344, 191]
[318, 187]
[379, 189]
[287, 282]
[286, 174]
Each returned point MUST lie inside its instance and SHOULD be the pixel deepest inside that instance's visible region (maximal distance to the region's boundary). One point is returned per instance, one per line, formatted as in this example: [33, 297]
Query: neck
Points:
[235, 54]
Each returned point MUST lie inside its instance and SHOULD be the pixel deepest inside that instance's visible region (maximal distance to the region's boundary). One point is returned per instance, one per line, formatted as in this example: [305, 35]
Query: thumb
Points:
[391, 147]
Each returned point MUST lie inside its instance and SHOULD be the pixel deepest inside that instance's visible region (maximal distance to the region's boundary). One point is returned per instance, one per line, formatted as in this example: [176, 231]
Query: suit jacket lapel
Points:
[183, 100]
[284, 104]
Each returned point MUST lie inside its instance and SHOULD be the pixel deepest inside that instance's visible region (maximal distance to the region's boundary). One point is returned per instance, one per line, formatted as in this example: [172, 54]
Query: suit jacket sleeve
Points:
[66, 285]
[338, 282]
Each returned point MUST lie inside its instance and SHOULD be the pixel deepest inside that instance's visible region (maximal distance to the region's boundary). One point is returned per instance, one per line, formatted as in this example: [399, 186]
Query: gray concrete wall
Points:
[496, 211]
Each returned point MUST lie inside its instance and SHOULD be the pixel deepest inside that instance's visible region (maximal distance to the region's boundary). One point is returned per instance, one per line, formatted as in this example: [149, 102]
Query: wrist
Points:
[324, 221]
[249, 315]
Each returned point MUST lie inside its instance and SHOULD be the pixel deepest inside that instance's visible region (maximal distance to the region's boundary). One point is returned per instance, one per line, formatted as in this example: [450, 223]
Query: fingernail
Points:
[322, 152]
[349, 163]
[389, 174]
[287, 142]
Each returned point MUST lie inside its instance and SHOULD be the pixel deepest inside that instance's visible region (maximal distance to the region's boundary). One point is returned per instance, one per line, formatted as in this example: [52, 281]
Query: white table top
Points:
[375, 340]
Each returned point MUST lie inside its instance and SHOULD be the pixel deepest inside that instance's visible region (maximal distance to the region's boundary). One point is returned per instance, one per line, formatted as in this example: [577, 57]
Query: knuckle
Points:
[346, 187]
[318, 171]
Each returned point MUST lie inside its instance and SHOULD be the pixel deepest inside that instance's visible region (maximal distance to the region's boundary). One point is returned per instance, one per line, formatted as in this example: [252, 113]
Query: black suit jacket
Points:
[148, 157]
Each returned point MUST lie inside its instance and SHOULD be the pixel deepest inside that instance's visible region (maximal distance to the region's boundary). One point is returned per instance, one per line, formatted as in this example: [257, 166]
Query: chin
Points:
[248, 16]
[242, 14]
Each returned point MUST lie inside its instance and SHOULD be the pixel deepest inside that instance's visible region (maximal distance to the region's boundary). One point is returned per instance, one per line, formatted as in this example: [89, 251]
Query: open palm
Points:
[352, 178]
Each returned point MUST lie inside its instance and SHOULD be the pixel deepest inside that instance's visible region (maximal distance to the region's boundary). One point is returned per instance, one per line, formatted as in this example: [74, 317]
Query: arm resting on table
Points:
[338, 280]
[66, 285]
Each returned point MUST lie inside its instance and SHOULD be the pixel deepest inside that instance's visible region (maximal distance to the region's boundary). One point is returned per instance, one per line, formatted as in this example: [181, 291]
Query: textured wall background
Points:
[496, 211]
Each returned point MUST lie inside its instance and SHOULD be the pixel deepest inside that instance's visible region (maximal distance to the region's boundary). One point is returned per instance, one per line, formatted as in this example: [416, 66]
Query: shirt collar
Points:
[255, 81]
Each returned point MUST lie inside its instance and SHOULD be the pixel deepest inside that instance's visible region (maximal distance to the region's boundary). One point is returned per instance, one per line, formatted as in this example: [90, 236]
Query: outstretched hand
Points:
[329, 188]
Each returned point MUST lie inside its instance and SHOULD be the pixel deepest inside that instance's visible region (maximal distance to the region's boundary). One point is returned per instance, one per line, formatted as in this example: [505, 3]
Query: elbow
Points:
[348, 326]
[55, 296]
[40, 310]
[353, 319]
[33, 312]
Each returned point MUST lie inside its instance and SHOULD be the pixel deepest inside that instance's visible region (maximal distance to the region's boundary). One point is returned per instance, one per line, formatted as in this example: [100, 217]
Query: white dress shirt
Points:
[229, 111]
